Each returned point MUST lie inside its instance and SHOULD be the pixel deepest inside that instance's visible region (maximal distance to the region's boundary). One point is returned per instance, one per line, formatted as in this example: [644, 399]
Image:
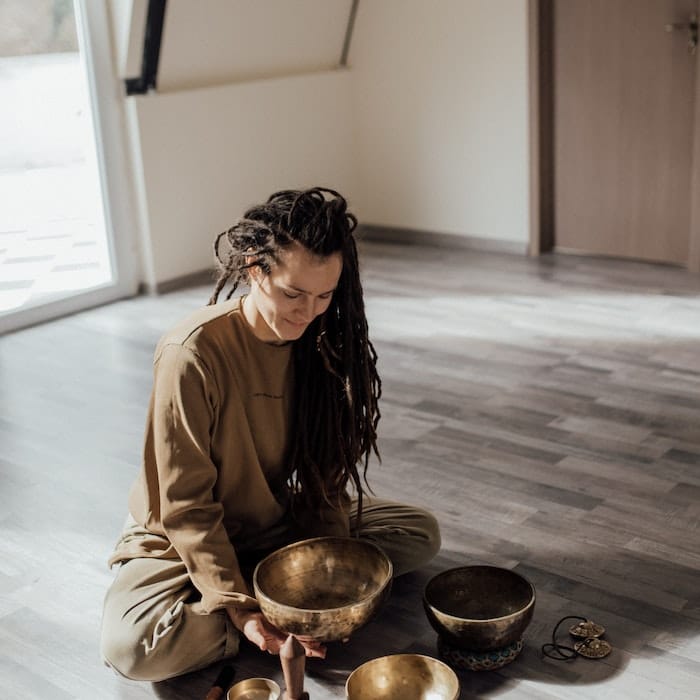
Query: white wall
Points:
[426, 130]
[247, 102]
[440, 115]
[214, 42]
[206, 155]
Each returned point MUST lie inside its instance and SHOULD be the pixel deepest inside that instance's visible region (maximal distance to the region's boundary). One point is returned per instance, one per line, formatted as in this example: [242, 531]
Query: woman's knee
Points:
[429, 543]
[142, 649]
[435, 536]
[129, 659]
[178, 642]
[412, 540]
[137, 662]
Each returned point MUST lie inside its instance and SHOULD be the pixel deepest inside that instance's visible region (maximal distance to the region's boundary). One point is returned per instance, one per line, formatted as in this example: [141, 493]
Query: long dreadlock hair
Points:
[337, 386]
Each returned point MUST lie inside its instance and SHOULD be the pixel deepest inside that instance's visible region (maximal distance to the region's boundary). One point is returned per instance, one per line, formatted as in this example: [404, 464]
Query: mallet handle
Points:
[293, 660]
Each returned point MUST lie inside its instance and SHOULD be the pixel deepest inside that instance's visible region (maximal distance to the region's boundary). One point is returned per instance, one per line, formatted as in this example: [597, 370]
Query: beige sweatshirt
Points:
[216, 438]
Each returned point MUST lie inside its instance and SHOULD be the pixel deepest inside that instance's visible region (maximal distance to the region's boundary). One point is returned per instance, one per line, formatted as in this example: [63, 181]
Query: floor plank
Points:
[547, 410]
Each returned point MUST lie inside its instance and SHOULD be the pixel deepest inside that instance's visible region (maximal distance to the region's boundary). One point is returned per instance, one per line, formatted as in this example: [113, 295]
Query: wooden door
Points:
[623, 98]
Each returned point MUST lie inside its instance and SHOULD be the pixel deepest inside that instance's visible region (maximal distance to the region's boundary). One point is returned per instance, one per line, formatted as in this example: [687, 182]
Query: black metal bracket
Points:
[348, 33]
[151, 50]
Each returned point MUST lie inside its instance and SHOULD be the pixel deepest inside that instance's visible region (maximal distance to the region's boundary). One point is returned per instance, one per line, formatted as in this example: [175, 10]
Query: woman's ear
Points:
[254, 271]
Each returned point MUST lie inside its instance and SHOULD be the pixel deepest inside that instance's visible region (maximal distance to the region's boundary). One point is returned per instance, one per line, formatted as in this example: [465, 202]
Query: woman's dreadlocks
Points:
[337, 387]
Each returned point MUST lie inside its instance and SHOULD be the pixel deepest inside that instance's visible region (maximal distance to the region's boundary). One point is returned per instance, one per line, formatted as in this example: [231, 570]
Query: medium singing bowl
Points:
[324, 588]
[481, 608]
[402, 677]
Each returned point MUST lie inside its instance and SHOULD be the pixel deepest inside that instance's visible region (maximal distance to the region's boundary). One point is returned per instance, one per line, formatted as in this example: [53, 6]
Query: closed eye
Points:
[289, 295]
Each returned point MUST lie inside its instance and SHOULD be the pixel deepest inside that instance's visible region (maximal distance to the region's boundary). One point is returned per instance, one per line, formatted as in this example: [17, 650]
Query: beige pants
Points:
[153, 627]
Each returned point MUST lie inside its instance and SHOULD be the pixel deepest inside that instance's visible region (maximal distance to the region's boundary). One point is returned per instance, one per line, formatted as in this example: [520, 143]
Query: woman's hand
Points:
[256, 629]
[312, 647]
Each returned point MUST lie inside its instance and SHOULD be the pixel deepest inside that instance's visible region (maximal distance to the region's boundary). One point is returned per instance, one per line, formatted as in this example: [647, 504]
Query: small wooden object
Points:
[293, 660]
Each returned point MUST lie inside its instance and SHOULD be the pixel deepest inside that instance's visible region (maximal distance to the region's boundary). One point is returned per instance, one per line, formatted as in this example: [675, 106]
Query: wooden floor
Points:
[548, 412]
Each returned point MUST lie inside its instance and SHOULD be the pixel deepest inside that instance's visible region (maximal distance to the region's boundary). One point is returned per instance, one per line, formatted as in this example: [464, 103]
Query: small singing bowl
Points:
[402, 677]
[325, 588]
[255, 689]
[481, 608]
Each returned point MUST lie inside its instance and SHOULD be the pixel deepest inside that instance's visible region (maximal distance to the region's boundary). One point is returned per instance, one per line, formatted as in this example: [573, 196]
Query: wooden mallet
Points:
[293, 659]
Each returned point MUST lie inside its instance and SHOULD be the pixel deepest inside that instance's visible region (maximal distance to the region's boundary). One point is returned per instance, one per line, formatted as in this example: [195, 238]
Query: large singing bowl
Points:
[325, 588]
[480, 608]
[402, 677]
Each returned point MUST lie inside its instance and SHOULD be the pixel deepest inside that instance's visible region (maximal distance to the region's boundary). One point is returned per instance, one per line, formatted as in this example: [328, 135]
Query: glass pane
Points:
[53, 241]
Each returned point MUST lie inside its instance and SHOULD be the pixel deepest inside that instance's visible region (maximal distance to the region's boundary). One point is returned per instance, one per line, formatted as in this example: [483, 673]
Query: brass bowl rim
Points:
[432, 659]
[272, 685]
[259, 593]
[482, 620]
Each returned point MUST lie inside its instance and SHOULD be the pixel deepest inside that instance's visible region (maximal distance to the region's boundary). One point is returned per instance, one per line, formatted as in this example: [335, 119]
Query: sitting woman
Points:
[263, 415]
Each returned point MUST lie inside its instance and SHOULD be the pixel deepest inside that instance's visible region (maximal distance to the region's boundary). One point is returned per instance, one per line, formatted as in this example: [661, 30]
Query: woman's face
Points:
[281, 305]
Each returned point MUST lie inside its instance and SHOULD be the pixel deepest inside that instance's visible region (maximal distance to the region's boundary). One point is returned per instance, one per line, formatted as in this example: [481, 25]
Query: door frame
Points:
[106, 93]
[540, 71]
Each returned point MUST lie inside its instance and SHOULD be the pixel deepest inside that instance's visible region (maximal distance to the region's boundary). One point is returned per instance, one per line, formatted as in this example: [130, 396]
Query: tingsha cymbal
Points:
[593, 648]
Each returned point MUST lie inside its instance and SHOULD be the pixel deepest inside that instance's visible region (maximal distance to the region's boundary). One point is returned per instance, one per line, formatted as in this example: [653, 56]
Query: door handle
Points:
[691, 27]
